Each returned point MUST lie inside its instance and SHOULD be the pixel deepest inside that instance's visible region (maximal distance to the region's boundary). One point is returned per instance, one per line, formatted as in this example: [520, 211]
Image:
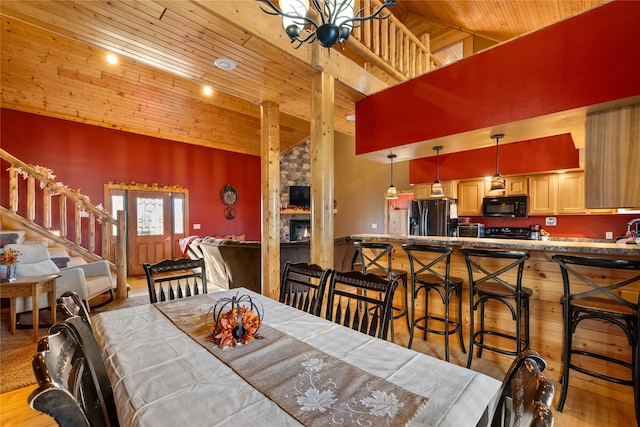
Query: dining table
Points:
[300, 370]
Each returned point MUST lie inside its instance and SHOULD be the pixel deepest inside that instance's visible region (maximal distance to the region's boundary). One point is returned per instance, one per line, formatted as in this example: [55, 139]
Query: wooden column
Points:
[322, 240]
[270, 153]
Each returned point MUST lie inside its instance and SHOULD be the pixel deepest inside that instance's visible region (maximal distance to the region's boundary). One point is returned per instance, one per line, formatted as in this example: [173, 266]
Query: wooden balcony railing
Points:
[390, 45]
[82, 208]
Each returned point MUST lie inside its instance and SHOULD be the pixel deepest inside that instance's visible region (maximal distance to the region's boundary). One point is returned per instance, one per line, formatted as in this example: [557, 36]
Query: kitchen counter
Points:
[584, 247]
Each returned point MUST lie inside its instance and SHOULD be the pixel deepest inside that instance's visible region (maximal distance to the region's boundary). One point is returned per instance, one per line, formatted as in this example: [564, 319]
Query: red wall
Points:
[86, 157]
[543, 154]
[589, 59]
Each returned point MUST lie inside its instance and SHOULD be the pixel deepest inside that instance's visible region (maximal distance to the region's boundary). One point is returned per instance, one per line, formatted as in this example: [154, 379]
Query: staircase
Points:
[74, 234]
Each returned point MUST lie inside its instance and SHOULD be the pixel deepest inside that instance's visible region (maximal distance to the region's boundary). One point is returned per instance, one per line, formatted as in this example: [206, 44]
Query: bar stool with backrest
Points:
[430, 266]
[592, 290]
[376, 258]
[496, 275]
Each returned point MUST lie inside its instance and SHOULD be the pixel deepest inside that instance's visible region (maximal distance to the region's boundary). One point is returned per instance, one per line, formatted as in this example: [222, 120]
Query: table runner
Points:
[315, 388]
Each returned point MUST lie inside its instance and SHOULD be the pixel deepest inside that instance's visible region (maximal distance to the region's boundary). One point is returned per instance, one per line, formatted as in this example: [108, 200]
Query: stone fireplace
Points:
[299, 230]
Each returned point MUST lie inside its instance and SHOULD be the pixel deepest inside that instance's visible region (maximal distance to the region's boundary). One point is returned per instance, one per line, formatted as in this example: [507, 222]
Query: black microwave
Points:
[504, 207]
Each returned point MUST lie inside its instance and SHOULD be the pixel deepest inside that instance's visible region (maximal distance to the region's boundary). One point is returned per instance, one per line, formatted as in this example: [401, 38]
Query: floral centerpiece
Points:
[8, 263]
[239, 324]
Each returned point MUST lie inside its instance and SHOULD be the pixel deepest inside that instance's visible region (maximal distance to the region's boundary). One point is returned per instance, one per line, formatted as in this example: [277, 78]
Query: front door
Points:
[156, 221]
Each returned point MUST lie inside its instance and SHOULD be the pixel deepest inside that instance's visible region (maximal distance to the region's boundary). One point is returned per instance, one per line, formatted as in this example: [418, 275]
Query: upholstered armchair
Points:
[86, 280]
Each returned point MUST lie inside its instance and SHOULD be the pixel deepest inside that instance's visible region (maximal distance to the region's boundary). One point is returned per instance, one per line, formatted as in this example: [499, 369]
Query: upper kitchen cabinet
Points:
[517, 185]
[612, 158]
[423, 191]
[470, 194]
[543, 194]
[571, 193]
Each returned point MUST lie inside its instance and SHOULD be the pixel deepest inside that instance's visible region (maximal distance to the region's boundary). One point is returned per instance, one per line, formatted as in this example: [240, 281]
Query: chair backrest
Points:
[375, 257]
[303, 286]
[428, 260]
[69, 304]
[580, 277]
[34, 259]
[481, 271]
[73, 386]
[361, 301]
[526, 394]
[175, 279]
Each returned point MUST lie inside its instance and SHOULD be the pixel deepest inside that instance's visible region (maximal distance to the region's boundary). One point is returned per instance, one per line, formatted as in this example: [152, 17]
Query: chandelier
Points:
[337, 19]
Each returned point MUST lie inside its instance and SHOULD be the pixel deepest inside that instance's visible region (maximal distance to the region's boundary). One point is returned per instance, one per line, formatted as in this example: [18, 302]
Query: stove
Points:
[507, 233]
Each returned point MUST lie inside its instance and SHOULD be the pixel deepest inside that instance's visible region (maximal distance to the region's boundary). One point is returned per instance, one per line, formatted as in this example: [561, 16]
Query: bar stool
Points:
[583, 299]
[493, 280]
[376, 258]
[427, 262]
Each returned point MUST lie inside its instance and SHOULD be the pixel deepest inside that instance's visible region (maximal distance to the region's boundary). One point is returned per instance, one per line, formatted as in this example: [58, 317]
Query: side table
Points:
[31, 286]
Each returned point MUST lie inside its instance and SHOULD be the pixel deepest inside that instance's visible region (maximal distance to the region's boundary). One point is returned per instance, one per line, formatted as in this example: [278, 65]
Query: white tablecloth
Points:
[162, 377]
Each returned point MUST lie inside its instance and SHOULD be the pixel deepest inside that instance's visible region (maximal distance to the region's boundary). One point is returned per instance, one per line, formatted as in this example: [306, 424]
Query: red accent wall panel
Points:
[585, 60]
[86, 157]
[543, 154]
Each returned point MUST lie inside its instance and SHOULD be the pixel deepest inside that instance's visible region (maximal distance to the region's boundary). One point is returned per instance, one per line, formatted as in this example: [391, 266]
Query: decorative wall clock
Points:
[229, 195]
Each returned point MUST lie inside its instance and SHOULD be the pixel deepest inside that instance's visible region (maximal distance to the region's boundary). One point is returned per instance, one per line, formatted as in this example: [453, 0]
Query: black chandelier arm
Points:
[277, 12]
[310, 37]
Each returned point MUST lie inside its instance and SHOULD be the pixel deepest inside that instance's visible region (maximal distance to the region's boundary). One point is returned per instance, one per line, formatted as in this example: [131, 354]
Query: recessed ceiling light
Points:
[207, 90]
[225, 64]
[112, 59]
[351, 117]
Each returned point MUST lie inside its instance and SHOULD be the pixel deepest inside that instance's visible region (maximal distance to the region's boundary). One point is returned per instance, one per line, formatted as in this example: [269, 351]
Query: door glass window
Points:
[150, 217]
[178, 215]
[117, 204]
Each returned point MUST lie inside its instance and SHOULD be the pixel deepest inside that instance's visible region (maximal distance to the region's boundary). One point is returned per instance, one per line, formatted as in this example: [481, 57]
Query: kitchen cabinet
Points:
[470, 194]
[612, 158]
[423, 191]
[517, 185]
[397, 221]
[543, 194]
[571, 193]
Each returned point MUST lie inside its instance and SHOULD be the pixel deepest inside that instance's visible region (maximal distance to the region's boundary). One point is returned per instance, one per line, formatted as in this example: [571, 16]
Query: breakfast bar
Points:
[543, 276]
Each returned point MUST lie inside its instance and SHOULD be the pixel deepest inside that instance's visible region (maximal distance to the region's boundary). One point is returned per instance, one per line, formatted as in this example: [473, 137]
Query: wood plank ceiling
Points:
[53, 62]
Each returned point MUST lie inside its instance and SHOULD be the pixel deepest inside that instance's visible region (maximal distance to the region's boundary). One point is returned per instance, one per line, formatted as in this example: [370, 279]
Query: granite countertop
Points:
[585, 246]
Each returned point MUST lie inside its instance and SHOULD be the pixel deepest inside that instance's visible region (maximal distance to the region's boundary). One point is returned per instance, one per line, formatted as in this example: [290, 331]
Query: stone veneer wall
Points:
[295, 169]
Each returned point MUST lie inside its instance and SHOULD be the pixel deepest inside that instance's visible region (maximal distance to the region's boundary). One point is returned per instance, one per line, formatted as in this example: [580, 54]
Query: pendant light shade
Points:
[391, 191]
[436, 187]
[497, 181]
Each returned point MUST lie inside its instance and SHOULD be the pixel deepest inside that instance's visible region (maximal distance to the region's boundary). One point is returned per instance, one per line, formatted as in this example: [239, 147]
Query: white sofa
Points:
[86, 280]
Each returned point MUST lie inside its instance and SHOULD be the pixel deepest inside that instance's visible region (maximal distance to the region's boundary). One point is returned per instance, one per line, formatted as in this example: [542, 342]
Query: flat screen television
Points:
[300, 195]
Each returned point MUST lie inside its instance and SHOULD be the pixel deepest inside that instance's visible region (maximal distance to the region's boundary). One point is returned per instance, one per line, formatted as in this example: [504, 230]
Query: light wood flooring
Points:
[582, 409]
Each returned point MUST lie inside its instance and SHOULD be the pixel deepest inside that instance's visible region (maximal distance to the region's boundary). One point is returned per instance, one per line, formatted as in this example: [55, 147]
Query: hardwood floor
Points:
[582, 409]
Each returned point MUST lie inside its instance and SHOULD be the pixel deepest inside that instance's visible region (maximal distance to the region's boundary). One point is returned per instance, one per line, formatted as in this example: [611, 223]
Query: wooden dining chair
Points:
[526, 394]
[303, 286]
[361, 301]
[73, 386]
[175, 278]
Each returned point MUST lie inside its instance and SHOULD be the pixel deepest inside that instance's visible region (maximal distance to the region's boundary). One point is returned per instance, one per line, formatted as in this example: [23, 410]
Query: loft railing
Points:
[82, 207]
[389, 45]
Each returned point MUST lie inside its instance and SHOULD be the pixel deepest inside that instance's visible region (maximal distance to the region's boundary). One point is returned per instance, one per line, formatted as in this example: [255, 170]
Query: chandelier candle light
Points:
[337, 19]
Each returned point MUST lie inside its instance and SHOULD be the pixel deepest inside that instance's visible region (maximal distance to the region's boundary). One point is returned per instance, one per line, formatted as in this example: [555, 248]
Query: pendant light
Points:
[497, 181]
[436, 188]
[391, 191]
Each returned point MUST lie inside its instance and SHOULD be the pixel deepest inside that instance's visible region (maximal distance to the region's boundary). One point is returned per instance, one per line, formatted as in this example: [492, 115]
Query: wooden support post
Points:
[322, 137]
[270, 247]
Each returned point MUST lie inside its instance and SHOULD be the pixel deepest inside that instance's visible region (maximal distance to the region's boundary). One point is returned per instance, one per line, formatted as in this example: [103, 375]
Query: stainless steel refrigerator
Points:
[433, 217]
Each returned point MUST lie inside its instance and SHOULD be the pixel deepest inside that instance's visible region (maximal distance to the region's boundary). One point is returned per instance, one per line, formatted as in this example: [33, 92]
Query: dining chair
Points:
[350, 304]
[69, 304]
[303, 286]
[430, 271]
[526, 394]
[175, 278]
[496, 275]
[593, 290]
[377, 258]
[73, 386]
